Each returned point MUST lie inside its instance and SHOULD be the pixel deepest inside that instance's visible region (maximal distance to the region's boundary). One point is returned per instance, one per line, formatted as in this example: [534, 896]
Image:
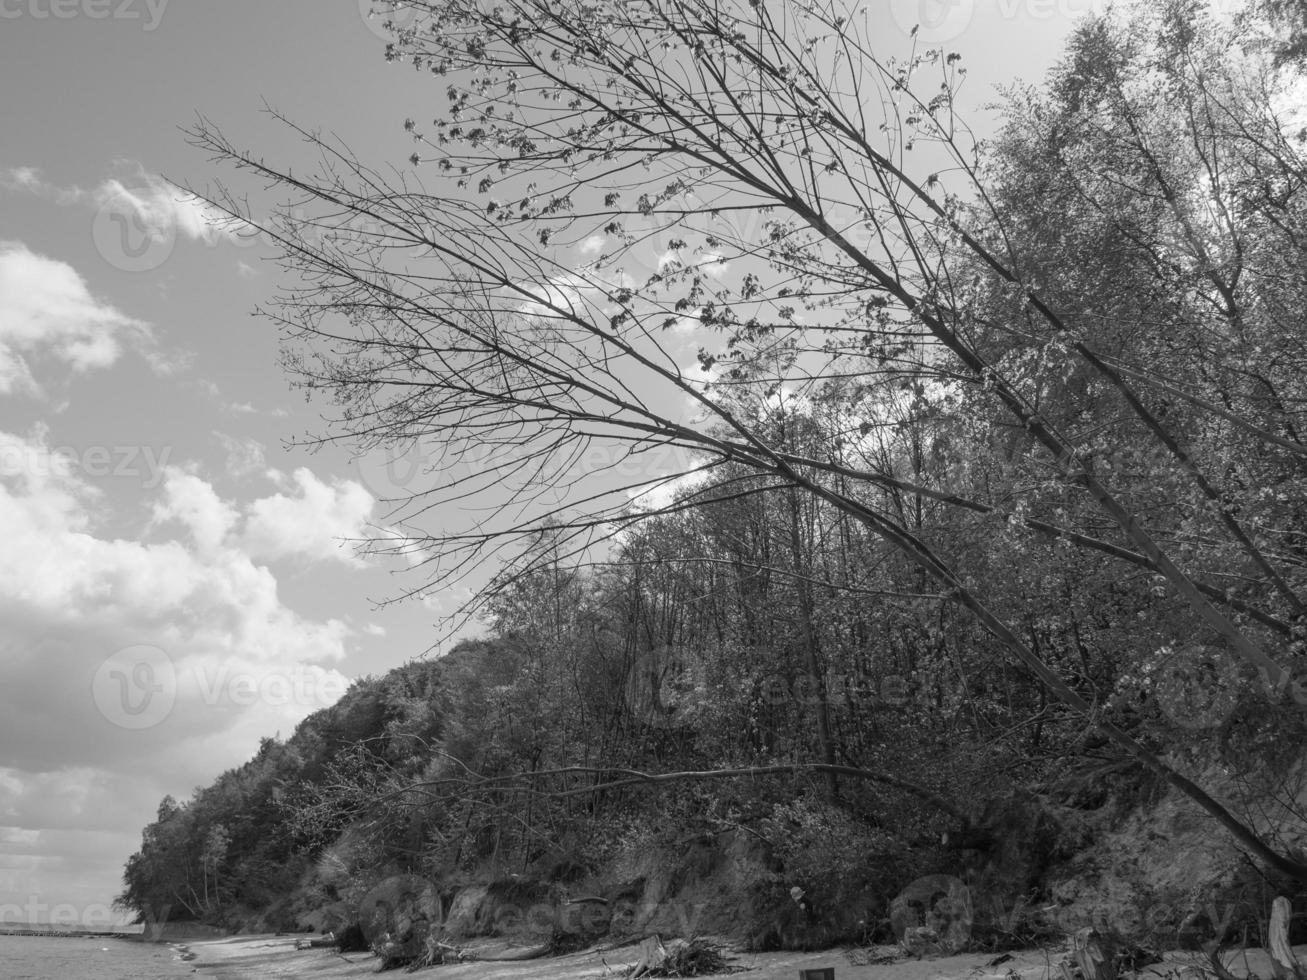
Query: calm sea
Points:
[88, 958]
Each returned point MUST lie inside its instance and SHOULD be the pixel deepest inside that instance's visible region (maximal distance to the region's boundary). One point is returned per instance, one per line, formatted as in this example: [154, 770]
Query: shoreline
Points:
[71, 933]
[275, 957]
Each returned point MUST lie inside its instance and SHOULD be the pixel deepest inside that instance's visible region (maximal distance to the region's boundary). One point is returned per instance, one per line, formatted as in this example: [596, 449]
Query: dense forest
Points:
[990, 531]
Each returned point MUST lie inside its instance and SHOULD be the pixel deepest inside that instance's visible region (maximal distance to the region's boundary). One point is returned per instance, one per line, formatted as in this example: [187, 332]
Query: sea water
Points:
[88, 958]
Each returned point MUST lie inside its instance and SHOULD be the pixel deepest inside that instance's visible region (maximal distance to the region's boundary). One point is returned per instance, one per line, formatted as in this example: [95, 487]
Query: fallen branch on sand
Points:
[322, 942]
[679, 958]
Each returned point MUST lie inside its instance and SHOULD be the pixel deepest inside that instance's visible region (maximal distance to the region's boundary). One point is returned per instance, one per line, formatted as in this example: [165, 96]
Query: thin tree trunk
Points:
[811, 655]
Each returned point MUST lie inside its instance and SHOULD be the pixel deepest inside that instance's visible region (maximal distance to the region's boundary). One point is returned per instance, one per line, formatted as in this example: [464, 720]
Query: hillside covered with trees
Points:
[976, 536]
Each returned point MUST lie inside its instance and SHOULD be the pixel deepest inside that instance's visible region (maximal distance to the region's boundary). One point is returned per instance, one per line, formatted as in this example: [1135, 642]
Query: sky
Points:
[175, 575]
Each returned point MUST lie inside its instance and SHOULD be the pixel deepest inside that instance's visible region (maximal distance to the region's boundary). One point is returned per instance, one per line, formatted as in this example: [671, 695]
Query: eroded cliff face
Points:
[1164, 871]
[1108, 849]
[730, 885]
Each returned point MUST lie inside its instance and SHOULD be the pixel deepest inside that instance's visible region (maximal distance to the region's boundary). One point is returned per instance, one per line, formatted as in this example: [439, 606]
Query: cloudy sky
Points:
[173, 579]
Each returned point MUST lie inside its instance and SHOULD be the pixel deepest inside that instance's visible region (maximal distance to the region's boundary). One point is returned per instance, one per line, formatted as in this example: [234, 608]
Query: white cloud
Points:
[238, 408]
[687, 324]
[234, 661]
[562, 292]
[1289, 101]
[70, 597]
[662, 492]
[192, 502]
[709, 264]
[245, 408]
[159, 206]
[47, 310]
[593, 245]
[312, 519]
[712, 265]
[704, 382]
[306, 519]
[244, 456]
[701, 377]
[787, 399]
[54, 564]
[22, 179]
[447, 601]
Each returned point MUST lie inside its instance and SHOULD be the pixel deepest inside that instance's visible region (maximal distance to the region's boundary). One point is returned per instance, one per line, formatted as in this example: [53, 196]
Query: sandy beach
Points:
[247, 958]
[275, 957]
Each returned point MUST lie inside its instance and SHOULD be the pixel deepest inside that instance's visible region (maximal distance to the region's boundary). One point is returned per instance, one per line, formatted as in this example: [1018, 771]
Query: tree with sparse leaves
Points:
[1103, 315]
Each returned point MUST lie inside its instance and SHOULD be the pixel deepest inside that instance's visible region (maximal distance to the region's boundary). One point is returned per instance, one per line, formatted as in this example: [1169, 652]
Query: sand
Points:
[276, 958]
[251, 957]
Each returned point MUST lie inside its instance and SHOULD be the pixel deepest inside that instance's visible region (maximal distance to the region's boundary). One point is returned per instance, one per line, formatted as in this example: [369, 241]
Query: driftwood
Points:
[1283, 961]
[1095, 954]
[1215, 964]
[652, 955]
[536, 951]
[530, 953]
[438, 953]
[678, 958]
[329, 941]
